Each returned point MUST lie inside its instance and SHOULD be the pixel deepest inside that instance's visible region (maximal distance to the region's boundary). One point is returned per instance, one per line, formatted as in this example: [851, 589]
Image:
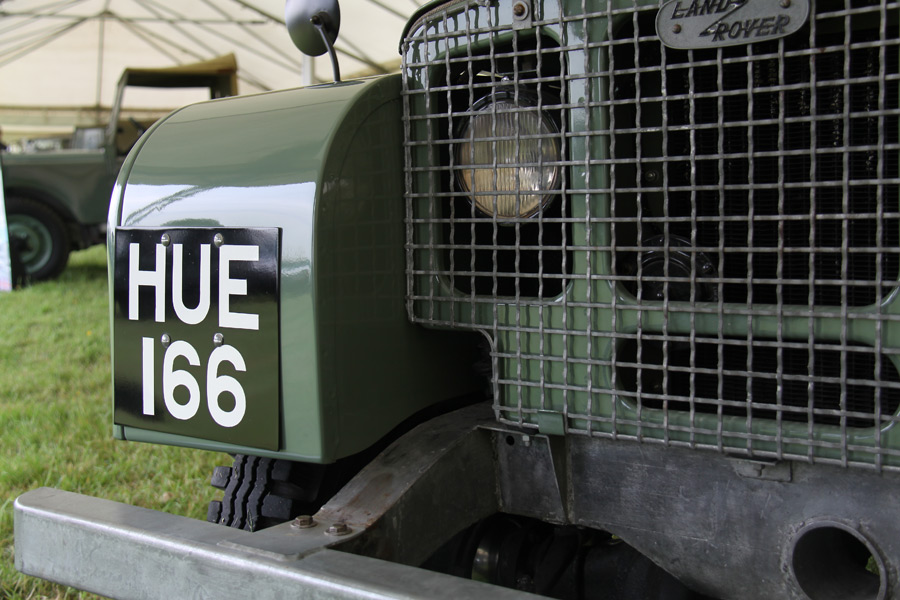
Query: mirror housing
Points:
[313, 24]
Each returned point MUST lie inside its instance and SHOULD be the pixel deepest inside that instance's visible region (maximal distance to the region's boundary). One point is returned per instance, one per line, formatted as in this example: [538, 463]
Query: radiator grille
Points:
[776, 154]
[717, 263]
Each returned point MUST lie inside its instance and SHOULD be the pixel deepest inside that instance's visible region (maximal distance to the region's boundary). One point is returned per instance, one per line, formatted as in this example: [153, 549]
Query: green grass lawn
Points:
[55, 415]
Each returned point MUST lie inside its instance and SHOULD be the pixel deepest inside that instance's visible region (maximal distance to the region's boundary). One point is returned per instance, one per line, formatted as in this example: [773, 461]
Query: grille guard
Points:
[774, 332]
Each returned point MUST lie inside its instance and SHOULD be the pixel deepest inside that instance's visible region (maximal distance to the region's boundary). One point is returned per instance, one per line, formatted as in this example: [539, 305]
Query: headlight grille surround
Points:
[721, 270]
[507, 156]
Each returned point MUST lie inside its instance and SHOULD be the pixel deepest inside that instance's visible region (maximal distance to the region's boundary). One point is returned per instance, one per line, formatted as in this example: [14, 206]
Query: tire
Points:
[40, 235]
[262, 492]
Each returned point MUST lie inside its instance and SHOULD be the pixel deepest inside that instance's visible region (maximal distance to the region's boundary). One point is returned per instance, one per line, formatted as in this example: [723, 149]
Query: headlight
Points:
[507, 156]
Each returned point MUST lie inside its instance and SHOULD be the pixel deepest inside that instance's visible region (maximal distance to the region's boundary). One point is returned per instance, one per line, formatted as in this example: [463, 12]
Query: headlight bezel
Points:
[487, 203]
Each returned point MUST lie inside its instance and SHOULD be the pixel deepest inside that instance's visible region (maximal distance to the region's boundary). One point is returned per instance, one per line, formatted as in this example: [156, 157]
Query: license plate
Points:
[196, 333]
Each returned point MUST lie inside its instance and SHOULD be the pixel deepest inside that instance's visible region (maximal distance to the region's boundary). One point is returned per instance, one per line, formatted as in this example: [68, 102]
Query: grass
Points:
[55, 415]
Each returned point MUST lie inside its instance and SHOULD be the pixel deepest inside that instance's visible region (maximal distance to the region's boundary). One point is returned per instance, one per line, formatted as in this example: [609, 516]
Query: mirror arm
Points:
[319, 24]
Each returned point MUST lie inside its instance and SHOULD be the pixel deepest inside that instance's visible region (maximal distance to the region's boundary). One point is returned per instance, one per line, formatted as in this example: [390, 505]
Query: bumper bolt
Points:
[338, 529]
[303, 522]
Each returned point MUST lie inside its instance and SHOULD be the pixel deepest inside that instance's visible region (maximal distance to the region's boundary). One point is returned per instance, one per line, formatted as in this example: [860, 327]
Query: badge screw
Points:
[785, 3]
[166, 340]
[338, 529]
[303, 522]
[676, 28]
[218, 339]
[165, 239]
[218, 240]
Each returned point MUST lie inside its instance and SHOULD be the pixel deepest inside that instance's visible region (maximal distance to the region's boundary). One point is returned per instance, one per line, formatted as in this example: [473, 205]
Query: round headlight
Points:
[507, 157]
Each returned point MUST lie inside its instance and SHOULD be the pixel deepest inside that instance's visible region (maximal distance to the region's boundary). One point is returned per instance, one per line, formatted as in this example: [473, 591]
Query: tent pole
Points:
[100, 50]
[307, 71]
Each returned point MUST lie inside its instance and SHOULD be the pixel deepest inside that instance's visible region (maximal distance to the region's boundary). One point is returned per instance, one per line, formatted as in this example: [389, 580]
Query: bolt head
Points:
[785, 3]
[338, 529]
[303, 522]
[165, 340]
[218, 339]
[520, 9]
[218, 240]
[676, 28]
[165, 240]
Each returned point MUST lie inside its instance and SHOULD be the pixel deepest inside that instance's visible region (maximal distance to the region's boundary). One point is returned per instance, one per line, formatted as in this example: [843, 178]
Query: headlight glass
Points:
[507, 157]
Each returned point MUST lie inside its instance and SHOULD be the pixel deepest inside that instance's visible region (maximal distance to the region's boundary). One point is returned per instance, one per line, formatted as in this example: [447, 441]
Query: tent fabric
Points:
[60, 60]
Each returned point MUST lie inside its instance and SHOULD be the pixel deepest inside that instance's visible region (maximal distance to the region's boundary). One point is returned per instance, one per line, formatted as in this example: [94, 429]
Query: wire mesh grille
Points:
[714, 256]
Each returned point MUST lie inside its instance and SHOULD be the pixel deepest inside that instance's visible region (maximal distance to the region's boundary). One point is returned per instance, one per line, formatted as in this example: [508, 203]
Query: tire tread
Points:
[260, 492]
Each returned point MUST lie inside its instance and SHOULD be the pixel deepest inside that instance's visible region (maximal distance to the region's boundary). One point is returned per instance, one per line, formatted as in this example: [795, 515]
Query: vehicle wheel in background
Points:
[261, 492]
[40, 236]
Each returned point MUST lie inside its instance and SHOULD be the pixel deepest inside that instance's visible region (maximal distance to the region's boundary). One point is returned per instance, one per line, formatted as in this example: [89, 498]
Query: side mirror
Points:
[313, 26]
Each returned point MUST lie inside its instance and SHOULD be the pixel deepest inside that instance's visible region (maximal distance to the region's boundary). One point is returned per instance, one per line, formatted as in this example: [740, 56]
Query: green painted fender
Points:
[325, 165]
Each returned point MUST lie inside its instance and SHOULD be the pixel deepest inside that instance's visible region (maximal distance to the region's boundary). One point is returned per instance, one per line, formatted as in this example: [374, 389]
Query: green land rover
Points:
[58, 201]
[593, 299]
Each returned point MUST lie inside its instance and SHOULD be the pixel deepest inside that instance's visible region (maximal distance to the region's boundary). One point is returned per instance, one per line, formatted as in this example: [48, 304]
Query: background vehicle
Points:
[58, 201]
[669, 237]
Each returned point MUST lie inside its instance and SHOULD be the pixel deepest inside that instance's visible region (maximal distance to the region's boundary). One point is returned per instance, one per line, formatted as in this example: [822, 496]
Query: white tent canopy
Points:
[60, 59]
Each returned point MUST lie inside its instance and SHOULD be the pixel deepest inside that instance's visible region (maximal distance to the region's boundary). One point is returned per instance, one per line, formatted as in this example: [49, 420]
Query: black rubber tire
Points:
[261, 492]
[42, 237]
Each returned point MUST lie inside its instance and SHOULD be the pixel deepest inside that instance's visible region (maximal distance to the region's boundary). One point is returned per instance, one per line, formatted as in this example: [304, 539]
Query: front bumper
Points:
[124, 551]
[394, 510]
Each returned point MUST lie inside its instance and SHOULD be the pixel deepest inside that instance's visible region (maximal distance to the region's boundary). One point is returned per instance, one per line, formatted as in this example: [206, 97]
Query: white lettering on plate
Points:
[174, 373]
[234, 287]
[147, 363]
[195, 315]
[216, 384]
[172, 379]
[156, 278]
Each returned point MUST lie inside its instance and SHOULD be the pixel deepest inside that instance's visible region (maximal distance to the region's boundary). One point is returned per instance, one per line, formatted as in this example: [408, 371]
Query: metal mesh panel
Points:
[716, 261]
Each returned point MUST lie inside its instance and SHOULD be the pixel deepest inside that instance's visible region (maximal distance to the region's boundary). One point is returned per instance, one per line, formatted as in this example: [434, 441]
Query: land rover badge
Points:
[696, 24]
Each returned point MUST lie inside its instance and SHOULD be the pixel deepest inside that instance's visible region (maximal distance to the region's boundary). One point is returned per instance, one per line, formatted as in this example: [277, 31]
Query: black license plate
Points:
[196, 333]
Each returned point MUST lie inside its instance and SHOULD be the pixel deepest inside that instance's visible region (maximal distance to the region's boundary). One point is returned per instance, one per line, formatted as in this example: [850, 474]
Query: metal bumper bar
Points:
[397, 508]
[123, 551]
